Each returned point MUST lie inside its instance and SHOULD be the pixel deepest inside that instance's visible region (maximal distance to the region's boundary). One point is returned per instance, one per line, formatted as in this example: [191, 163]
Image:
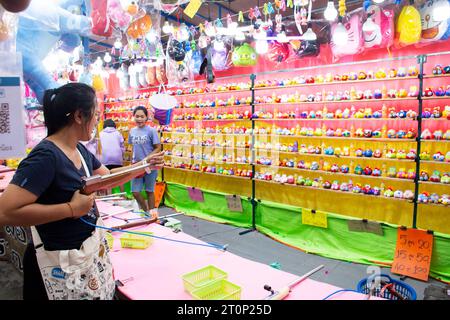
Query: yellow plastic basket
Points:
[202, 277]
[218, 290]
[110, 240]
[135, 241]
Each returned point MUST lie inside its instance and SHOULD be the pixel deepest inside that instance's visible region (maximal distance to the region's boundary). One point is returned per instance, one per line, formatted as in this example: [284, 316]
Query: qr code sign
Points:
[5, 124]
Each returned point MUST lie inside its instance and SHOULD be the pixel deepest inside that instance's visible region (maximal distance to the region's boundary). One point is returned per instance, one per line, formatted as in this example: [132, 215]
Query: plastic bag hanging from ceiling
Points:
[167, 6]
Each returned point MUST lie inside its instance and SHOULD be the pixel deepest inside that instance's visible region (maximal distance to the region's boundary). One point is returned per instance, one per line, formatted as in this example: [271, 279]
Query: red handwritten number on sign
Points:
[424, 244]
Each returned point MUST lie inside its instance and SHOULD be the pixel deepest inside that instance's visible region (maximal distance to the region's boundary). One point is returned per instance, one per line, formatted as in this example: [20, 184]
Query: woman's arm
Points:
[18, 208]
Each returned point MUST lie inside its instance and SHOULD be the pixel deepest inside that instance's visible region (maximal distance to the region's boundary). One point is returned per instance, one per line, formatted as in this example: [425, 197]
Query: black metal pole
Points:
[420, 60]
[253, 199]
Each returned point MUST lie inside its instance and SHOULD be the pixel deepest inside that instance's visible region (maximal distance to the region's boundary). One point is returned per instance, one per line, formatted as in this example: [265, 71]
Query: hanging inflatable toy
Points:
[140, 27]
[354, 43]
[432, 28]
[244, 56]
[378, 30]
[197, 58]
[409, 26]
[278, 52]
[220, 56]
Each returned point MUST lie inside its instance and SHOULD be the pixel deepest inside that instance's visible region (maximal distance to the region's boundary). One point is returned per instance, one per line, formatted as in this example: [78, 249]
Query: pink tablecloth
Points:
[5, 179]
[156, 272]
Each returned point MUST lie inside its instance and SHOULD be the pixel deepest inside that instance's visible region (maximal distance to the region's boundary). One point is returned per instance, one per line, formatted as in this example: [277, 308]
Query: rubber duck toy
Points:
[398, 194]
[345, 168]
[367, 171]
[376, 172]
[392, 172]
[401, 72]
[344, 187]
[413, 71]
[377, 94]
[380, 74]
[438, 70]
[439, 92]
[358, 170]
[377, 153]
[425, 155]
[423, 197]
[426, 134]
[428, 92]
[389, 192]
[362, 75]
[438, 156]
[423, 176]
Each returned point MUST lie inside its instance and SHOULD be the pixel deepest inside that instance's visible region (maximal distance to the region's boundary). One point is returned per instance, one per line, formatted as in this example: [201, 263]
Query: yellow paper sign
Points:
[316, 218]
[192, 8]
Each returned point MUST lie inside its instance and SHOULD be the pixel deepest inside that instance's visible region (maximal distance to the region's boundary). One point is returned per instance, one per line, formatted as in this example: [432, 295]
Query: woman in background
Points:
[145, 141]
[113, 147]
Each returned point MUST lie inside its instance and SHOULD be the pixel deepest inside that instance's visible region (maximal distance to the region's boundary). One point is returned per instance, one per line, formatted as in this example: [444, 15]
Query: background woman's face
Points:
[140, 118]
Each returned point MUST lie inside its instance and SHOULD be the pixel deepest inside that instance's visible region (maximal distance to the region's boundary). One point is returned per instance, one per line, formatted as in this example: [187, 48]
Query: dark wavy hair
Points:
[60, 105]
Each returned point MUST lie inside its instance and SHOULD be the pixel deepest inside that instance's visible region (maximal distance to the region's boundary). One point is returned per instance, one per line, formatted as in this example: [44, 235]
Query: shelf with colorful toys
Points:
[345, 188]
[335, 170]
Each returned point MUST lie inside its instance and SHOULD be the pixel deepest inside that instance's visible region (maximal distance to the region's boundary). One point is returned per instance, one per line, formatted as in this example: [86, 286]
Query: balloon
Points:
[432, 29]
[176, 50]
[278, 52]
[220, 58]
[381, 33]
[354, 43]
[140, 27]
[244, 55]
[409, 26]
[306, 48]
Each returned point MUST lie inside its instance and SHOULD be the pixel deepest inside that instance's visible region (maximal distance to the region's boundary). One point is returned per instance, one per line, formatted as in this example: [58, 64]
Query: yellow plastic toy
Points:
[409, 26]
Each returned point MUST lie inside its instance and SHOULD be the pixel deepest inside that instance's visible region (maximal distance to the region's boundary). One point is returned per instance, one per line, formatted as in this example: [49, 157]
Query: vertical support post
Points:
[420, 60]
[254, 203]
[253, 198]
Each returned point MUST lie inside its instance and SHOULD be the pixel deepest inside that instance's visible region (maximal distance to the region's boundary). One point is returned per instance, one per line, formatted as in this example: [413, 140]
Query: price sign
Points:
[160, 187]
[365, 226]
[314, 218]
[192, 8]
[234, 203]
[413, 253]
[196, 194]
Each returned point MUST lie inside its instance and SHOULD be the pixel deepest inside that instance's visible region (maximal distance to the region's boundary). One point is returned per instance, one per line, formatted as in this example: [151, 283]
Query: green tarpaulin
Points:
[283, 223]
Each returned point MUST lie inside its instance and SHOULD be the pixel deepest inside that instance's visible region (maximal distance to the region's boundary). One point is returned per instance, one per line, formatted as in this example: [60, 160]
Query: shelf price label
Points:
[314, 218]
[412, 256]
[195, 194]
[234, 203]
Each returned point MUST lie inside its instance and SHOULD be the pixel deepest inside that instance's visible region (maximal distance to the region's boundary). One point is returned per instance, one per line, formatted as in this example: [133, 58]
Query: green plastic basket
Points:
[109, 239]
[218, 290]
[135, 241]
[202, 277]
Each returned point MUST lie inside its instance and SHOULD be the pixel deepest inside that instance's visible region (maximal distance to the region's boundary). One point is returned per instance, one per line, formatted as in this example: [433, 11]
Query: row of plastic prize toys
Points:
[355, 113]
[144, 95]
[232, 101]
[207, 130]
[358, 188]
[391, 172]
[207, 142]
[381, 74]
[233, 171]
[212, 88]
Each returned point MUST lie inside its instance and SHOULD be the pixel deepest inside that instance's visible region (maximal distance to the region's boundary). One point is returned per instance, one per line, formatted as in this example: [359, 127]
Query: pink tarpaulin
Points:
[5, 179]
[156, 272]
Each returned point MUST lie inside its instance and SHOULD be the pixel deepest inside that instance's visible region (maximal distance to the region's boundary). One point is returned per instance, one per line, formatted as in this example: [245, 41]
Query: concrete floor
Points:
[254, 246]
